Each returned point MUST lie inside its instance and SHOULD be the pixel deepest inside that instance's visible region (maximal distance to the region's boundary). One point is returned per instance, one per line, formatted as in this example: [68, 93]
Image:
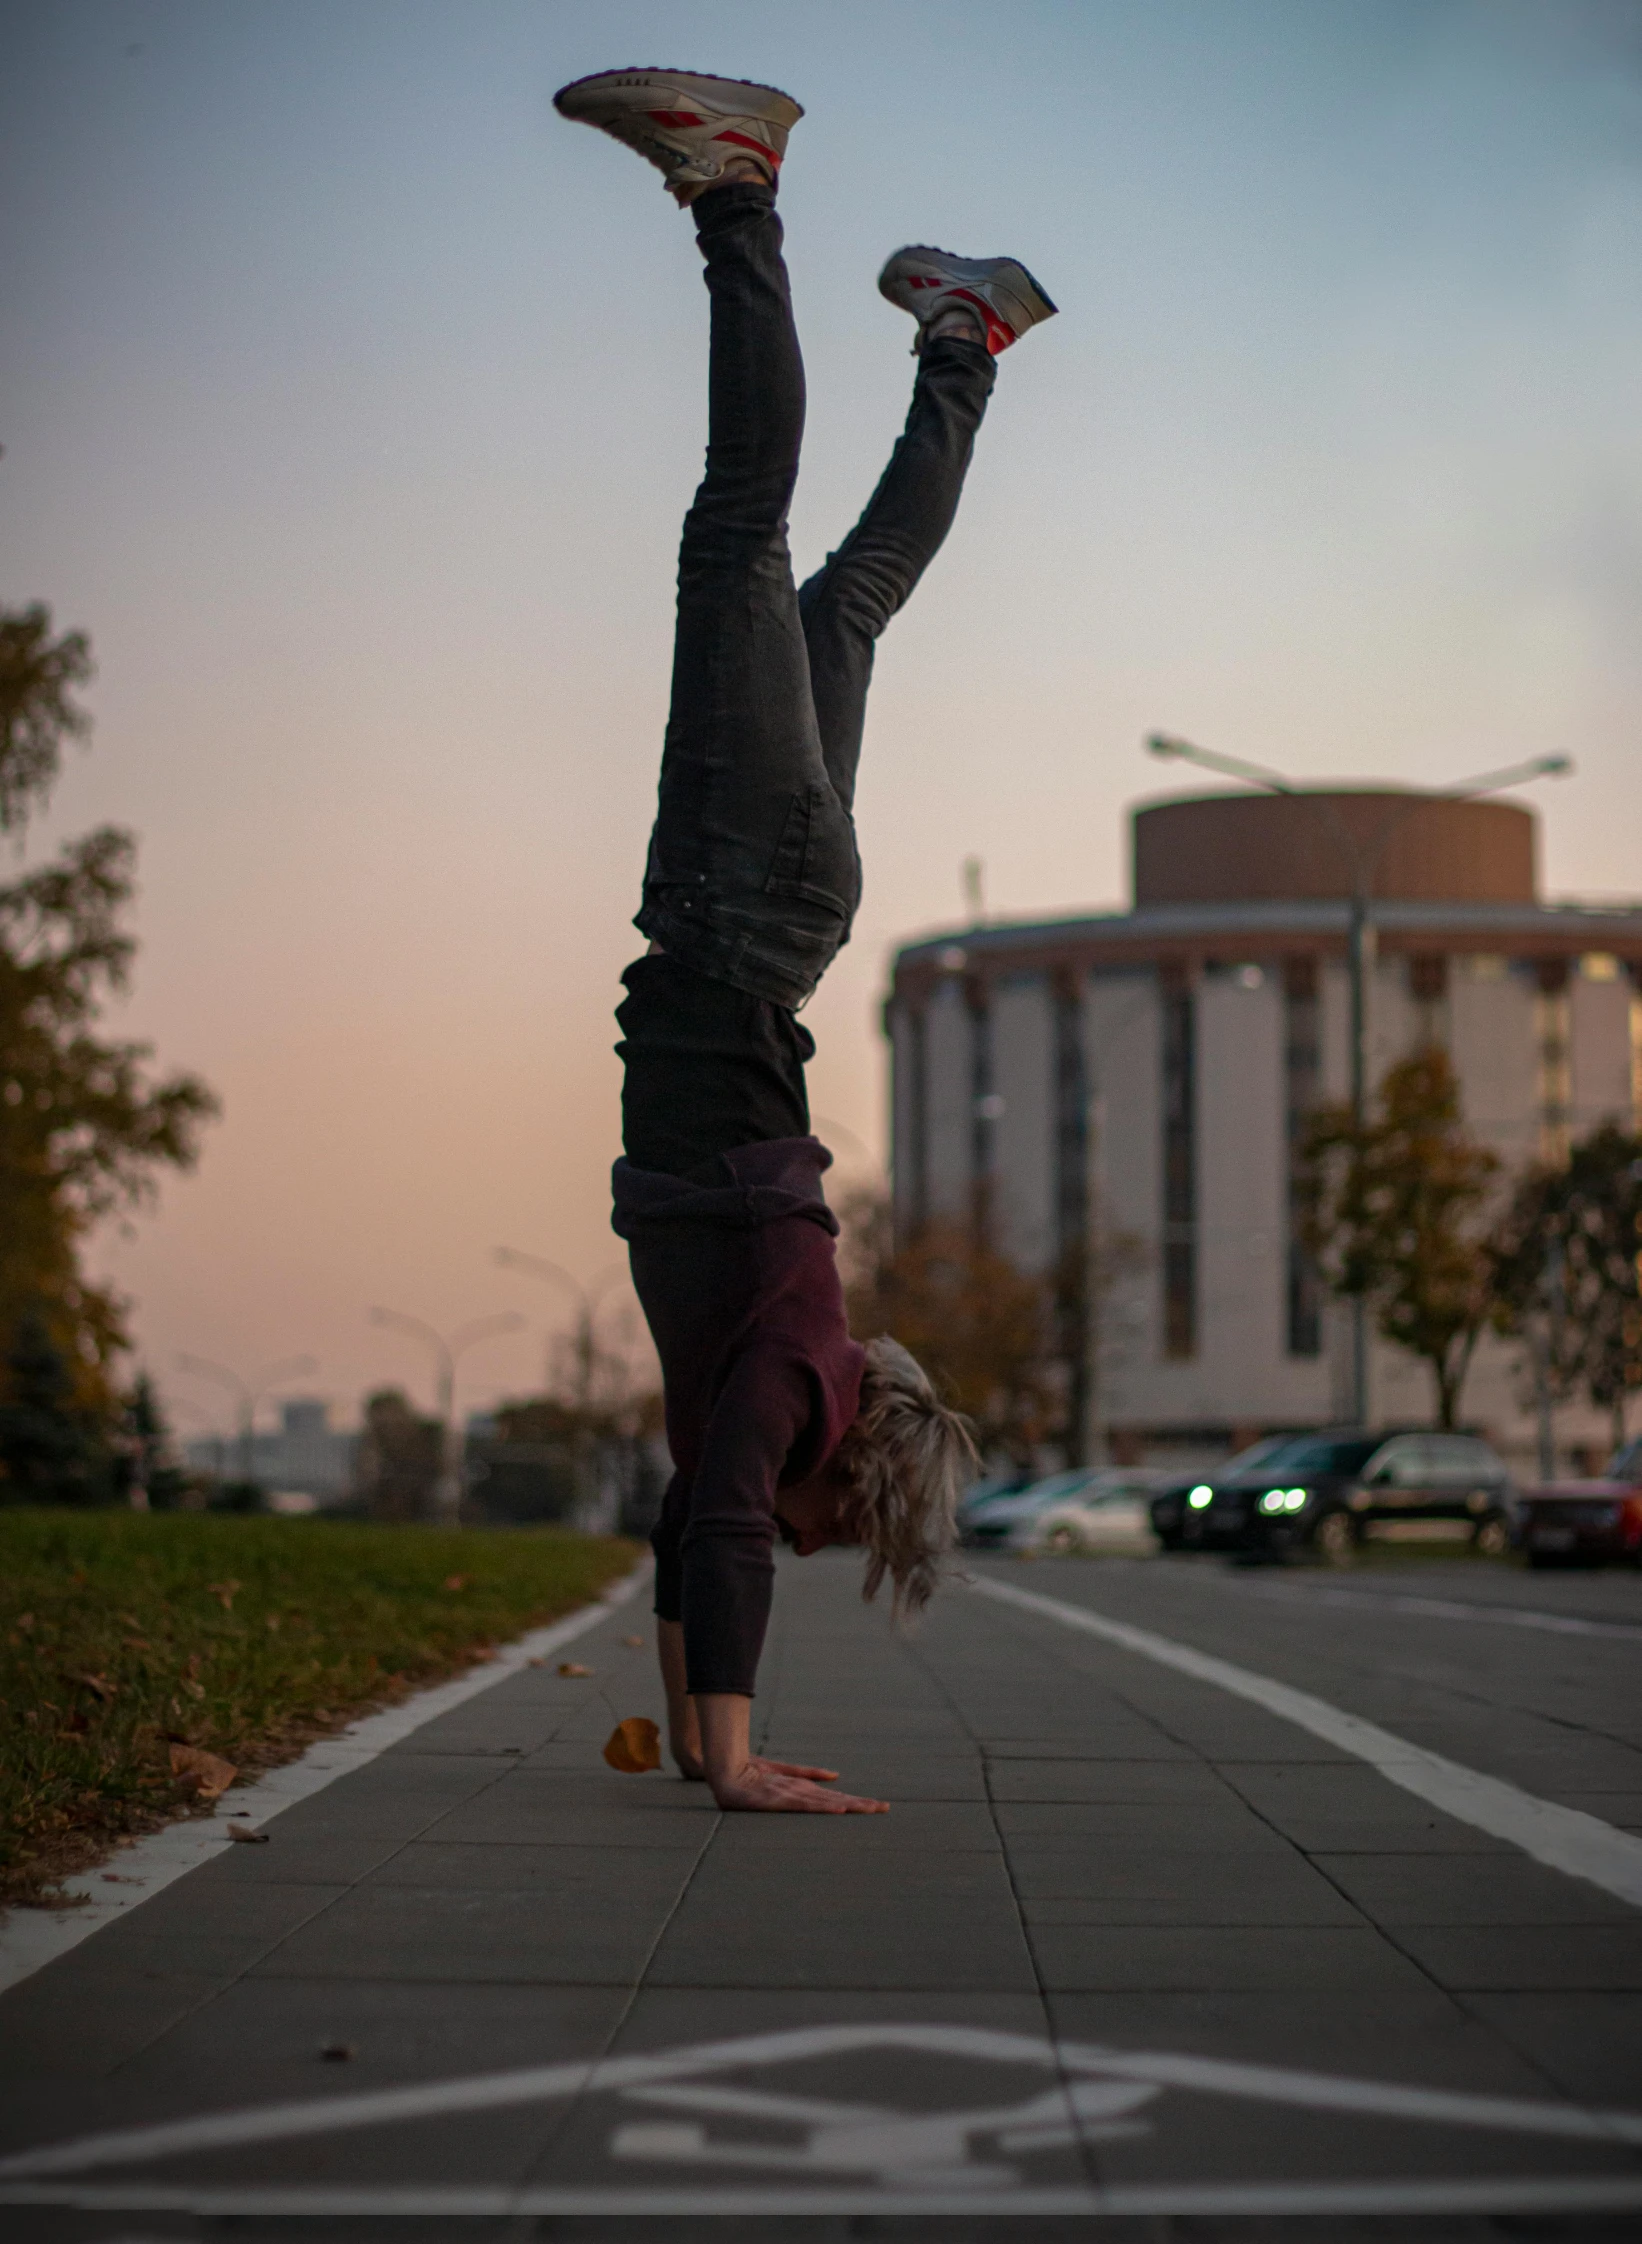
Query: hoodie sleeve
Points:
[725, 1552]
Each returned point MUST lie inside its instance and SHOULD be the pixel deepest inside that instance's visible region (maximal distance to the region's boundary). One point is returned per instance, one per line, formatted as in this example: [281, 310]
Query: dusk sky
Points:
[351, 400]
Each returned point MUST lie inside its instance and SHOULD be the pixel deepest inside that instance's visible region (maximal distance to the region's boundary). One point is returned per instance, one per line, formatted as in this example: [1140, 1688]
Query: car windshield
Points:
[1249, 1460]
[1627, 1462]
[1310, 1453]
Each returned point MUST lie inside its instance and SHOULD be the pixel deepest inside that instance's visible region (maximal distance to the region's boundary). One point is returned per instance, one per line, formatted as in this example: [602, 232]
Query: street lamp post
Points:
[448, 1496]
[588, 1297]
[1362, 860]
[247, 1392]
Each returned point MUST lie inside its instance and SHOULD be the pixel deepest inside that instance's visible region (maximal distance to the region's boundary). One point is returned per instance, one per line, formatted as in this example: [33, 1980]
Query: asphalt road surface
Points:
[1209, 1899]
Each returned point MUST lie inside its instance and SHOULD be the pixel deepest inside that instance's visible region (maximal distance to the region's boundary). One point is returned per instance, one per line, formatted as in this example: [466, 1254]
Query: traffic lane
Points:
[1544, 1963]
[1559, 1716]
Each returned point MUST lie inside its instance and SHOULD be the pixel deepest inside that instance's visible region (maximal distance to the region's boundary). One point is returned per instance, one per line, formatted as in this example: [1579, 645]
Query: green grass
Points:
[123, 1633]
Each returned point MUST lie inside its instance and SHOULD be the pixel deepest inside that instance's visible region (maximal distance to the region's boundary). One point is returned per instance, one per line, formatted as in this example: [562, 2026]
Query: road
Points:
[1160, 1928]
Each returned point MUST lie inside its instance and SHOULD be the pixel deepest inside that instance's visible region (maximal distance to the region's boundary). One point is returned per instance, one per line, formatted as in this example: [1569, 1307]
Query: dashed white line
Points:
[1565, 1839]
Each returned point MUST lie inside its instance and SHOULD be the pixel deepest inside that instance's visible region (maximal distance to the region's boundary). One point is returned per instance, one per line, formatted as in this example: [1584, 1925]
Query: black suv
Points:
[1327, 1490]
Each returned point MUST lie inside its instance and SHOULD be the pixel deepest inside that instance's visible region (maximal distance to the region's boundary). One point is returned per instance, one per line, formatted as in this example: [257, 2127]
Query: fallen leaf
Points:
[223, 1592]
[25, 1620]
[98, 1683]
[337, 2052]
[272, 1624]
[634, 1746]
[113, 1878]
[535, 1661]
[208, 1773]
[246, 1836]
[634, 1643]
[456, 1581]
[573, 1667]
[138, 1644]
[194, 1690]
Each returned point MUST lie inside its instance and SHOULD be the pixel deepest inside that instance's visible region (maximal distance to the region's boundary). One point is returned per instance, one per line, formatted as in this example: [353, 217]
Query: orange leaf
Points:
[573, 1667]
[634, 1746]
[456, 1581]
[208, 1773]
[246, 1836]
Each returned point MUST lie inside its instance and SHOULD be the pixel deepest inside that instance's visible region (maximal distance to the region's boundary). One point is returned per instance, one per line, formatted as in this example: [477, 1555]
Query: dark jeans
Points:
[753, 876]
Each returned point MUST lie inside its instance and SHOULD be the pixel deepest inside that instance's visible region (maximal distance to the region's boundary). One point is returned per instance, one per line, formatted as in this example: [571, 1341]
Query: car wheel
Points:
[1493, 1538]
[1171, 1539]
[1336, 1538]
[1064, 1541]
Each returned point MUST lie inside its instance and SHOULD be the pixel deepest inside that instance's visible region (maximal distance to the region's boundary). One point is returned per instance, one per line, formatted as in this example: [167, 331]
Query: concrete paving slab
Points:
[1100, 1854]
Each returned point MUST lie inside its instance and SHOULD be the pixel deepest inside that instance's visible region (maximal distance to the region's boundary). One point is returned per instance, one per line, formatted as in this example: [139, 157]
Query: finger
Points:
[802, 1769]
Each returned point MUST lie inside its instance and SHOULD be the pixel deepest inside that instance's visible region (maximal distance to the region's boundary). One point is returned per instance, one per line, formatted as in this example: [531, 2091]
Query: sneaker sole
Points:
[617, 91]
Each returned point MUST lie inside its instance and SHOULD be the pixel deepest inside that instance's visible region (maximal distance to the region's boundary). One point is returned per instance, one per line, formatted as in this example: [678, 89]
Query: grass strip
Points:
[123, 1634]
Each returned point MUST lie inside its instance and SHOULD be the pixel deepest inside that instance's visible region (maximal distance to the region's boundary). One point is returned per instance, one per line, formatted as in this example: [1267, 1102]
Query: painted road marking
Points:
[860, 2156]
[1565, 1839]
[32, 1938]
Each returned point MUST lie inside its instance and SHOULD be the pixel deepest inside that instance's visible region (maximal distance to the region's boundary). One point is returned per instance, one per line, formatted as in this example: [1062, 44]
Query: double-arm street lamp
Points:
[584, 1346]
[446, 1350]
[247, 1393]
[1360, 856]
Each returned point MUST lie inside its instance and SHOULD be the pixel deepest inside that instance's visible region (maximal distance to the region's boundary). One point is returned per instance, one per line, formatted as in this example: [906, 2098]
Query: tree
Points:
[1569, 1270]
[982, 1328]
[1396, 1212]
[51, 1446]
[84, 1126]
[400, 1460]
[149, 1475]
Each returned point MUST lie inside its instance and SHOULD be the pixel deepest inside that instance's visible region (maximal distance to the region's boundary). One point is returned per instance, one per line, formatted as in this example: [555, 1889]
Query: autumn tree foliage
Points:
[1397, 1211]
[85, 1126]
[980, 1326]
[1569, 1270]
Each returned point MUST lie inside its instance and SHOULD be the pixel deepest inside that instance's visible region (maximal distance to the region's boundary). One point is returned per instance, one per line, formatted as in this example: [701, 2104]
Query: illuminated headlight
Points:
[1283, 1500]
[1201, 1497]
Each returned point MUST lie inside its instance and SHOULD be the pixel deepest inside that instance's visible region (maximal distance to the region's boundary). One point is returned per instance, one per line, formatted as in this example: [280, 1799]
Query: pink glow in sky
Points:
[351, 401]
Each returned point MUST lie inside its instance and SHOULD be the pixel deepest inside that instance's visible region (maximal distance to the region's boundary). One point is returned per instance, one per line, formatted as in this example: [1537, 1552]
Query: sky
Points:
[351, 400]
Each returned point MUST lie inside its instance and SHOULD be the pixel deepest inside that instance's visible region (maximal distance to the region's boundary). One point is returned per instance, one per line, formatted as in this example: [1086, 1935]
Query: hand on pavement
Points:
[784, 1788]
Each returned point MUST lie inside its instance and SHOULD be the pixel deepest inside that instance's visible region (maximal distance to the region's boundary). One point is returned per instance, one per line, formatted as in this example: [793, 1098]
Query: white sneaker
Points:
[1000, 293]
[688, 127]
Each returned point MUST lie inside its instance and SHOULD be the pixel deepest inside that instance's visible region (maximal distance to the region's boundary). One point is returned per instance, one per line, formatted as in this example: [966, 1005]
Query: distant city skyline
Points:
[350, 402]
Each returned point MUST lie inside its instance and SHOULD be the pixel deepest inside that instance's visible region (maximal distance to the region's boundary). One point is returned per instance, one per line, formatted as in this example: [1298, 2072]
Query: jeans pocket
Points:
[815, 860]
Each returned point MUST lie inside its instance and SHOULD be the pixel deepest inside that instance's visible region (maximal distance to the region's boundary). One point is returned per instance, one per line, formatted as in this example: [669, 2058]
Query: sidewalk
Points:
[1076, 1970]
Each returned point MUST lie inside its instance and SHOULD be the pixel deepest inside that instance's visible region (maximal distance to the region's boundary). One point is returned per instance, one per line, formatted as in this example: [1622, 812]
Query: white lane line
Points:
[1266, 2084]
[1571, 2194]
[1565, 1839]
[1439, 1608]
[32, 1938]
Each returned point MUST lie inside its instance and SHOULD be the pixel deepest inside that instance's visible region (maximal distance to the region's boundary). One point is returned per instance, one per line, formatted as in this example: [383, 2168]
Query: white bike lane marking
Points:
[1565, 1839]
[1434, 1608]
[32, 1938]
[837, 2156]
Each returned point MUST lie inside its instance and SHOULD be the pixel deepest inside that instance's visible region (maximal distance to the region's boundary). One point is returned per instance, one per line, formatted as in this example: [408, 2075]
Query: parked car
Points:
[1112, 1511]
[989, 1524]
[1327, 1491]
[979, 1497]
[1587, 1522]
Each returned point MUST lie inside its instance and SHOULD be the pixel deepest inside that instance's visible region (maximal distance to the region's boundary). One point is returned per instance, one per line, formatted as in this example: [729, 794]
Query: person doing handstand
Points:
[776, 1419]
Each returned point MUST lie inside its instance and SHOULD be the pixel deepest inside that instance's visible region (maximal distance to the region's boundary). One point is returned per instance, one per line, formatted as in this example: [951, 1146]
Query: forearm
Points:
[683, 1729]
[725, 1720]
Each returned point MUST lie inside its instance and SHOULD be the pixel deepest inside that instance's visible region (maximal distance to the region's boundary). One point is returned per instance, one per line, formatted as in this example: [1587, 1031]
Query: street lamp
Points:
[1362, 859]
[584, 1346]
[448, 1496]
[247, 1392]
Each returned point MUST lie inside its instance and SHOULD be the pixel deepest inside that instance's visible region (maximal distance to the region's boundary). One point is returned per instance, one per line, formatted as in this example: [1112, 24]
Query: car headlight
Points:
[1283, 1500]
[1201, 1497]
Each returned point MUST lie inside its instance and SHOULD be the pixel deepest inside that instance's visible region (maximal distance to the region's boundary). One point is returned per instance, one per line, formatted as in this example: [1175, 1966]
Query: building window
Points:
[1302, 1087]
[1179, 1172]
[1554, 1060]
[985, 1106]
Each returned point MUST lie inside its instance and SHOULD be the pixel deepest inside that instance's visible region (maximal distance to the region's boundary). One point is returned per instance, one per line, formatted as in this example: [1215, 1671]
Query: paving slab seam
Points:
[1565, 1839]
[32, 1938]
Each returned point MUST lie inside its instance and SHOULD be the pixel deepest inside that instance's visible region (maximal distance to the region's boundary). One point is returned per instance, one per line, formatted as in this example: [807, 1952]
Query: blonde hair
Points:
[902, 1466]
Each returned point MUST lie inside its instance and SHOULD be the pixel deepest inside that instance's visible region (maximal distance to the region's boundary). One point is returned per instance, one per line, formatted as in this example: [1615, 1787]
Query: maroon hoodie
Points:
[739, 1281]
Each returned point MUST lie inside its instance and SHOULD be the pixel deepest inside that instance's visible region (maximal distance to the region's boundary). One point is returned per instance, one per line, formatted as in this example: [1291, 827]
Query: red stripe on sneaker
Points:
[999, 333]
[758, 148]
[674, 117]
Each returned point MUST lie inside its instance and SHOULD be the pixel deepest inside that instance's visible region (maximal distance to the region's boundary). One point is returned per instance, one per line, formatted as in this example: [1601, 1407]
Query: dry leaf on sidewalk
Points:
[209, 1773]
[634, 1643]
[573, 1667]
[246, 1836]
[634, 1746]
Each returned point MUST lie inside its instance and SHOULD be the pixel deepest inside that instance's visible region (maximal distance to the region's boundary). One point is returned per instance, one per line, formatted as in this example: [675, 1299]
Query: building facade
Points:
[1133, 1088]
